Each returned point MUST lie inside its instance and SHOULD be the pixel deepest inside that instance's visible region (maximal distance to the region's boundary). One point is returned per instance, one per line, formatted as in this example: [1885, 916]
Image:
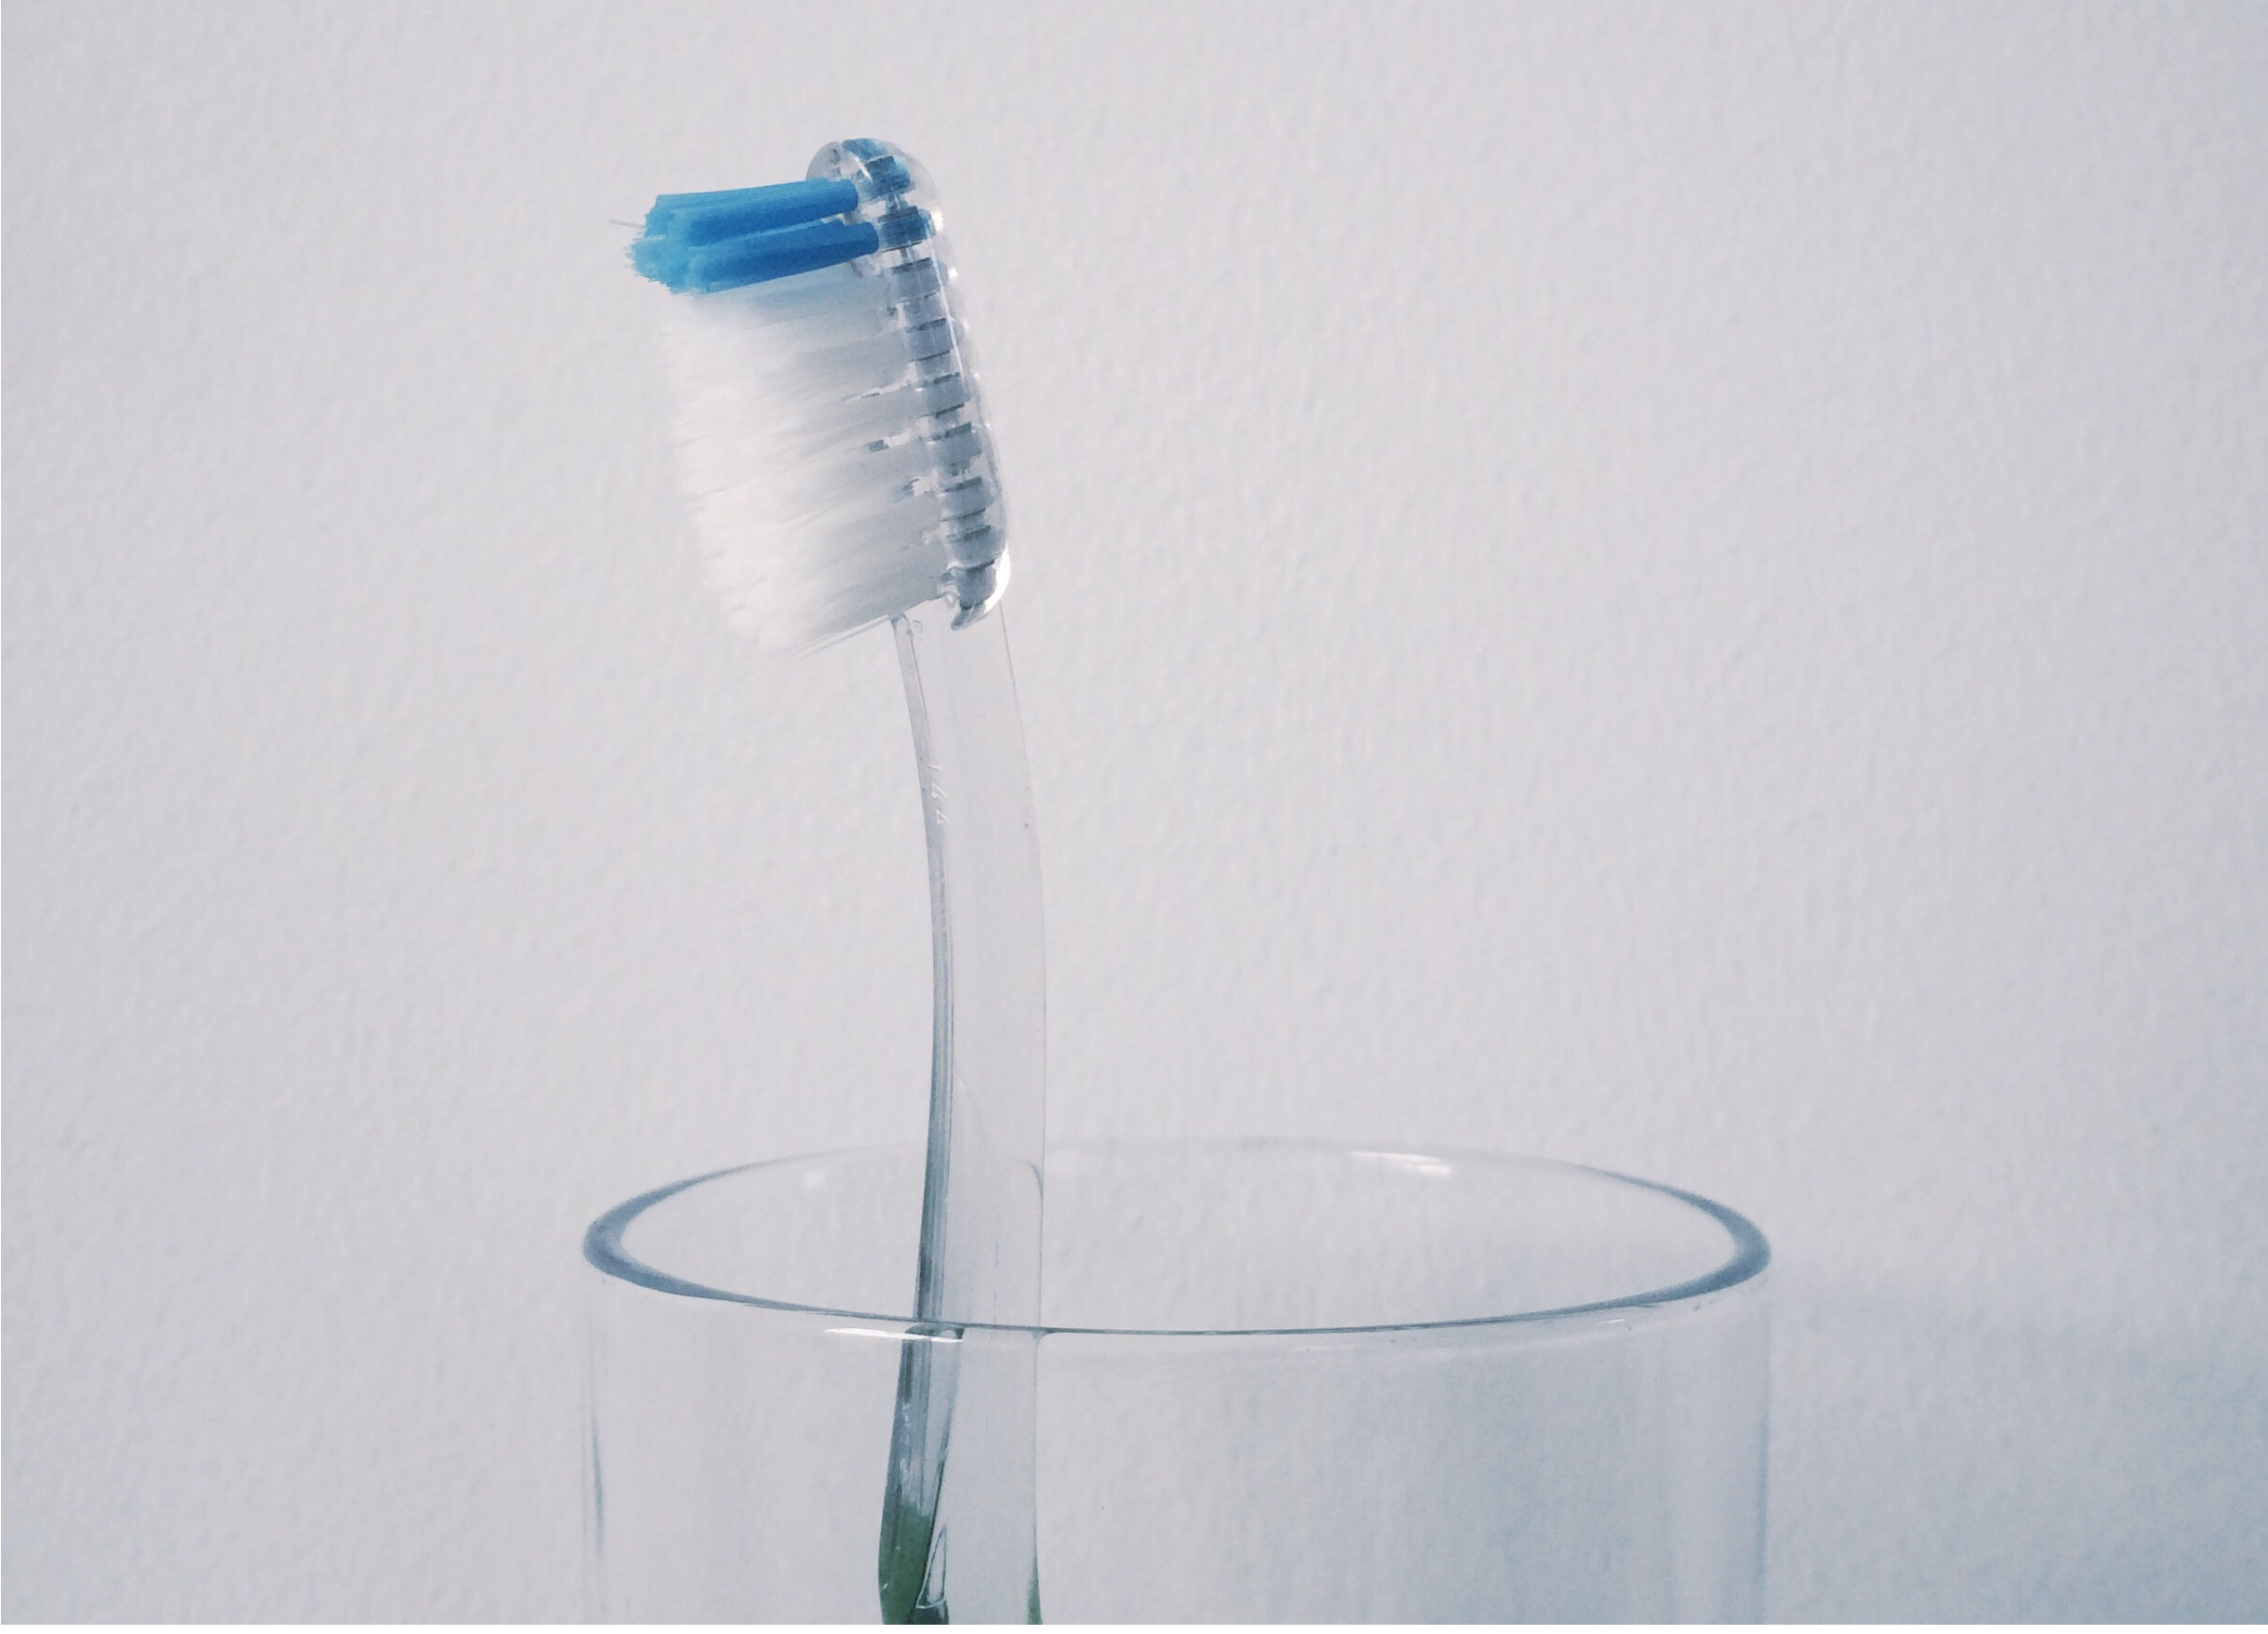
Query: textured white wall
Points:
[1682, 587]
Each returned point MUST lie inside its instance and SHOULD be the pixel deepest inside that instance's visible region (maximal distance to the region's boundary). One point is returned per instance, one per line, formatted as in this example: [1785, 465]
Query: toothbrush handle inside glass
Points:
[957, 1532]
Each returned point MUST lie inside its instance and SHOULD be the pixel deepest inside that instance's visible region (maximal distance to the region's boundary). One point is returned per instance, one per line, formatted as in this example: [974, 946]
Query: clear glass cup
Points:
[1278, 1382]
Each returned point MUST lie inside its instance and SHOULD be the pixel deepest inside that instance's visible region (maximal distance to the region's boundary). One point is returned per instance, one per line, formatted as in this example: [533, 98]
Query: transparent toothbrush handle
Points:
[957, 1537]
[988, 1083]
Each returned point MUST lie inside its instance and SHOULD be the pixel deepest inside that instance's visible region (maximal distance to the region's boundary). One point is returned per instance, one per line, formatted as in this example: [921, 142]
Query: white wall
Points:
[1681, 587]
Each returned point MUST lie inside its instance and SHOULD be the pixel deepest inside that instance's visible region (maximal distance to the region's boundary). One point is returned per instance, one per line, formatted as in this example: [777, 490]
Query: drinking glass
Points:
[1277, 1382]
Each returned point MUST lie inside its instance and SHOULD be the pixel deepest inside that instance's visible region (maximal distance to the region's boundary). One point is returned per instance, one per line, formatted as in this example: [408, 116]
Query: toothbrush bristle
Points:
[829, 426]
[709, 241]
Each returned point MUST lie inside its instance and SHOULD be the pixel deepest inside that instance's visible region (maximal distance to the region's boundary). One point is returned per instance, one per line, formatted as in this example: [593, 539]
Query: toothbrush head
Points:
[828, 416]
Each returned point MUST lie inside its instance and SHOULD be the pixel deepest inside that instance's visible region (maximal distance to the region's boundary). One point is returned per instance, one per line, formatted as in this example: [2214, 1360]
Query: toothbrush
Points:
[835, 446]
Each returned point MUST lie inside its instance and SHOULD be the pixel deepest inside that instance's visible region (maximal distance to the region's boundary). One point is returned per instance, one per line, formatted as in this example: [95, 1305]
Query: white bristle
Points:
[798, 423]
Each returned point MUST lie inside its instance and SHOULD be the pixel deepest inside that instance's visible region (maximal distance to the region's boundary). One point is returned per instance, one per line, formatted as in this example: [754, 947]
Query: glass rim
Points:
[603, 1248]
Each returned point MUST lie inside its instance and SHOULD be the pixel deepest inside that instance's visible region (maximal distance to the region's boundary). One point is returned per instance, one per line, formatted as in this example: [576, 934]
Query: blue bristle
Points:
[671, 204]
[709, 241]
[663, 259]
[754, 258]
[704, 218]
